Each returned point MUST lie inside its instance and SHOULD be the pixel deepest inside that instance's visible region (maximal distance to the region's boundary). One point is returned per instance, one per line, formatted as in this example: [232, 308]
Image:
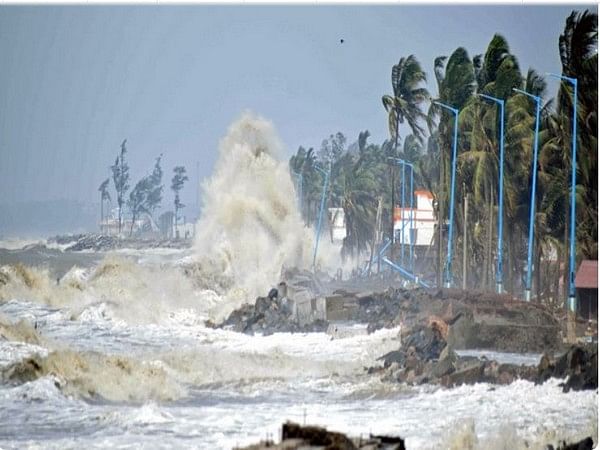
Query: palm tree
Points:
[104, 196]
[408, 96]
[405, 105]
[578, 47]
[497, 73]
[360, 186]
[455, 82]
[303, 162]
[578, 53]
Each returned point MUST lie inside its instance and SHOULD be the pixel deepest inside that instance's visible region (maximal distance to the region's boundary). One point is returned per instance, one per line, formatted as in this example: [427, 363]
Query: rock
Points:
[297, 437]
[392, 357]
[584, 444]
[314, 436]
[579, 365]
[273, 294]
[469, 375]
[101, 242]
[445, 365]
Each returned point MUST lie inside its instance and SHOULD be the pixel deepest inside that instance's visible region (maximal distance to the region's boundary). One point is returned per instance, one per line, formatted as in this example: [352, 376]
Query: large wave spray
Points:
[250, 226]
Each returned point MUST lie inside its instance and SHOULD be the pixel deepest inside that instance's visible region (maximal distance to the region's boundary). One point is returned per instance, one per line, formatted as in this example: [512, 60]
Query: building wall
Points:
[421, 232]
[588, 303]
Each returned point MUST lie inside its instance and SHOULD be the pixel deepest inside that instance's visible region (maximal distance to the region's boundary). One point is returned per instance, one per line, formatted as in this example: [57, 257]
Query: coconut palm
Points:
[104, 197]
[456, 83]
[360, 187]
[404, 105]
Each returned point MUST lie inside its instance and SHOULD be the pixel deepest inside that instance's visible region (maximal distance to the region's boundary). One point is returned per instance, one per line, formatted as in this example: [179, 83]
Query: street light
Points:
[325, 183]
[572, 300]
[538, 101]
[500, 102]
[412, 194]
[402, 211]
[448, 268]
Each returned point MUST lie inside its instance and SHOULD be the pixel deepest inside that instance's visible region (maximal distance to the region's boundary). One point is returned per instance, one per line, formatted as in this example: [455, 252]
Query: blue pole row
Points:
[448, 267]
[572, 299]
[533, 192]
[411, 243]
[500, 192]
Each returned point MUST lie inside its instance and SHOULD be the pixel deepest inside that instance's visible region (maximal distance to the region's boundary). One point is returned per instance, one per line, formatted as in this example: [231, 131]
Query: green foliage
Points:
[103, 189]
[361, 173]
[146, 195]
[179, 178]
[120, 171]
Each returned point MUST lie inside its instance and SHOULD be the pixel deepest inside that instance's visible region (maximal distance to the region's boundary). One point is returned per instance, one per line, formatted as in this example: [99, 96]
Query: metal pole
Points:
[448, 268]
[402, 214]
[572, 299]
[499, 274]
[325, 183]
[410, 232]
[533, 192]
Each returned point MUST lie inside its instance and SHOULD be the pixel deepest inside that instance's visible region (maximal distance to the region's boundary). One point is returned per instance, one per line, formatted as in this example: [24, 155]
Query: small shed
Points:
[586, 284]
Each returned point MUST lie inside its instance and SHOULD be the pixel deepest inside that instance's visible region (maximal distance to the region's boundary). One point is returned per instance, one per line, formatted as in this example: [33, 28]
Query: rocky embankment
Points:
[297, 437]
[102, 242]
[470, 319]
[426, 357]
[435, 325]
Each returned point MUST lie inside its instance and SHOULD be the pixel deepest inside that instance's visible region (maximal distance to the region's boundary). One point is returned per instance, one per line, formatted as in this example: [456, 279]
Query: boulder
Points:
[579, 364]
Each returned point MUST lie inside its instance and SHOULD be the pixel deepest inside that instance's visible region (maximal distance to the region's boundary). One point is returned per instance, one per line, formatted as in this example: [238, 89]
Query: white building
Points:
[417, 224]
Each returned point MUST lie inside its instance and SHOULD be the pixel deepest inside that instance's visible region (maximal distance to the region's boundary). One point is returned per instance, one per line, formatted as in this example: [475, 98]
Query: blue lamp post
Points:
[448, 268]
[572, 300]
[412, 194]
[402, 211]
[499, 277]
[323, 195]
[538, 102]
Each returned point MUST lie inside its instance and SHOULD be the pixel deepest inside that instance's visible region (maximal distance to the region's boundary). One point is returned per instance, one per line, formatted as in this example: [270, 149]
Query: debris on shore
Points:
[298, 437]
[103, 242]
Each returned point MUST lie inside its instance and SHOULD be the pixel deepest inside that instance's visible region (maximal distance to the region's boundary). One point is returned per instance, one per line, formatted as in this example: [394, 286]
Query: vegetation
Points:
[362, 173]
[120, 171]
[104, 197]
[177, 181]
[146, 196]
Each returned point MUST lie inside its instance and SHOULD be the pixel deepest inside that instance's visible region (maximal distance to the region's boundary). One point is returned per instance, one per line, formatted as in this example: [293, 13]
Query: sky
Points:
[77, 80]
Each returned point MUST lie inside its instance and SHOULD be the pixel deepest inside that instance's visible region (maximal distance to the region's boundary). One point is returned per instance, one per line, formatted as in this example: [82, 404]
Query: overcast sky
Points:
[76, 81]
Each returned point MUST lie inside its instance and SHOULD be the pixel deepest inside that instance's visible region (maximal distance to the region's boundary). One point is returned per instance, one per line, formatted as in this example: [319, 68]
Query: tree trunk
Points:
[566, 255]
[538, 272]
[440, 221]
[119, 219]
[509, 279]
